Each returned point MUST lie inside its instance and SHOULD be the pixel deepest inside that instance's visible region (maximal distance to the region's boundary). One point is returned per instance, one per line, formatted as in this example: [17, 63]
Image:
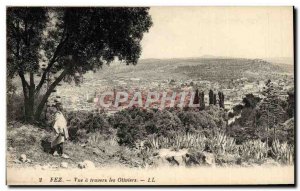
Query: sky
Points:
[248, 32]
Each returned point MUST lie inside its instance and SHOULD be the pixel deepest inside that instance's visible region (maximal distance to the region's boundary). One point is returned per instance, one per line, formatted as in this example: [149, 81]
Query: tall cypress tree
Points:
[221, 99]
[202, 102]
[211, 97]
[196, 98]
[215, 99]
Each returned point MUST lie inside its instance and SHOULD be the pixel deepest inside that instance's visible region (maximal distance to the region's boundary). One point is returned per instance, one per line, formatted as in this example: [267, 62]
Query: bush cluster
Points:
[83, 122]
[136, 124]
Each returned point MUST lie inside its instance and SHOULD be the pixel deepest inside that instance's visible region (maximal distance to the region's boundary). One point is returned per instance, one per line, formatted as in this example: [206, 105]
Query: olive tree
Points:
[66, 41]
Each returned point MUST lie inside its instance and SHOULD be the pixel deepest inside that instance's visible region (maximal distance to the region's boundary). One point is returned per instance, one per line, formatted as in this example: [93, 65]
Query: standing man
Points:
[60, 127]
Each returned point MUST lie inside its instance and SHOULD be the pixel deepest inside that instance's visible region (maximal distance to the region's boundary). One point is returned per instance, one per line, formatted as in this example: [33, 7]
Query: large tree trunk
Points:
[30, 103]
[29, 110]
[28, 91]
[41, 105]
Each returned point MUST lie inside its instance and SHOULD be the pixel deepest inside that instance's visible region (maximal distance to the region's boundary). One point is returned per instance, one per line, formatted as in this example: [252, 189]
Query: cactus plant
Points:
[282, 152]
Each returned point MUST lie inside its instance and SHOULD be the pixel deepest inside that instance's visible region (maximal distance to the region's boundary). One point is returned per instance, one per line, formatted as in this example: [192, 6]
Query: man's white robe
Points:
[60, 127]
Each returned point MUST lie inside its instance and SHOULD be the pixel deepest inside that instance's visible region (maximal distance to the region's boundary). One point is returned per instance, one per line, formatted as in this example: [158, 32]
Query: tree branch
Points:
[21, 74]
[31, 79]
[49, 91]
[24, 84]
[51, 63]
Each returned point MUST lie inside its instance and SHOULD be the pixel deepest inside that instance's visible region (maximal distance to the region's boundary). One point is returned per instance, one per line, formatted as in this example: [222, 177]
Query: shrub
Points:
[83, 122]
[178, 141]
[242, 134]
[195, 121]
[103, 143]
[129, 133]
[256, 150]
[220, 144]
[282, 152]
[167, 123]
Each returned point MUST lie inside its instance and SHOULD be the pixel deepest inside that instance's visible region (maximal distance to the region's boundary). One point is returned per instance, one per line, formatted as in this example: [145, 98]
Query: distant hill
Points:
[149, 72]
[281, 60]
[229, 68]
[212, 68]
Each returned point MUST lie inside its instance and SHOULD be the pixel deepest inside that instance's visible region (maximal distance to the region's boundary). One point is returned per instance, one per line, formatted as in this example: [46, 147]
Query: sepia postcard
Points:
[150, 96]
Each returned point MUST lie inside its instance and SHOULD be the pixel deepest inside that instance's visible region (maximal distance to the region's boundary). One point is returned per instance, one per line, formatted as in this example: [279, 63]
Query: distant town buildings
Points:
[233, 90]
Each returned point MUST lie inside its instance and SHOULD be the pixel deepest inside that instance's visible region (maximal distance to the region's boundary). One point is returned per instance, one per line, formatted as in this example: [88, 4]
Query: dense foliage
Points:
[263, 119]
[62, 43]
[136, 124]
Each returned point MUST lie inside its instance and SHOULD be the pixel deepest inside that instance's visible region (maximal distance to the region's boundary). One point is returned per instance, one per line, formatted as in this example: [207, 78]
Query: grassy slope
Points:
[27, 140]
